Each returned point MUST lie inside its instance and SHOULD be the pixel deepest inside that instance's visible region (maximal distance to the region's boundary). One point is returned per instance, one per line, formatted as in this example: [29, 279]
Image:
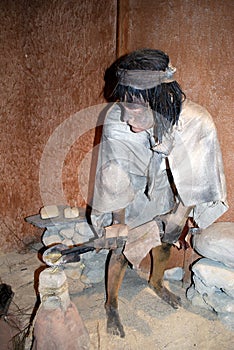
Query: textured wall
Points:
[198, 36]
[52, 60]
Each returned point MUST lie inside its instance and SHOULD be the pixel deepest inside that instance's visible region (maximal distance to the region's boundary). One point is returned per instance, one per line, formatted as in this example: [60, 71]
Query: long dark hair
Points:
[165, 98]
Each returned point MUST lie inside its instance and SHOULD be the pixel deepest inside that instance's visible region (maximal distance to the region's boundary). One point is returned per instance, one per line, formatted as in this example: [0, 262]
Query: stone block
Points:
[174, 274]
[227, 319]
[196, 298]
[51, 236]
[202, 288]
[216, 243]
[53, 289]
[67, 232]
[84, 229]
[74, 270]
[49, 212]
[220, 302]
[214, 273]
[71, 212]
[48, 279]
[68, 242]
[94, 267]
[79, 239]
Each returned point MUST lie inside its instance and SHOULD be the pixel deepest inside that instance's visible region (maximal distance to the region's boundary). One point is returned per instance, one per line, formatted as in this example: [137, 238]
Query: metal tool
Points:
[60, 254]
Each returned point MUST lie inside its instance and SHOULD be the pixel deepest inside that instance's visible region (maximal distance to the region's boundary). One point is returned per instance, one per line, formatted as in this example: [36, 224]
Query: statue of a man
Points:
[159, 163]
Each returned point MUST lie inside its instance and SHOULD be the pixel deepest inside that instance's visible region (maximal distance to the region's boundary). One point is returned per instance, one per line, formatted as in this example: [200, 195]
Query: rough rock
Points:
[67, 232]
[84, 229]
[174, 274]
[51, 236]
[70, 213]
[216, 243]
[220, 302]
[196, 298]
[227, 319]
[49, 211]
[74, 270]
[202, 288]
[213, 273]
[94, 267]
[213, 289]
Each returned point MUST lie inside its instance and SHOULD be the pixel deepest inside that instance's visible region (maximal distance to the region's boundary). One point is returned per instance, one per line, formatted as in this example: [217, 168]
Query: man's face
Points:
[138, 116]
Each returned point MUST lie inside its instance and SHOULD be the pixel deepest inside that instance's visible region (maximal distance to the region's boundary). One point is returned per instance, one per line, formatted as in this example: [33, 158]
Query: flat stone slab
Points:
[60, 220]
[215, 275]
[213, 289]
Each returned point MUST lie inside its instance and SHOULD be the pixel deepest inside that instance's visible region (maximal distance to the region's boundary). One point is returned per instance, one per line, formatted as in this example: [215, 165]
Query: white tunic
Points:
[127, 167]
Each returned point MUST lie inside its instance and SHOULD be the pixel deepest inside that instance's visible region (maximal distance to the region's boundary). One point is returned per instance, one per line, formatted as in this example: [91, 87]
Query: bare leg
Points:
[115, 273]
[174, 224]
[160, 256]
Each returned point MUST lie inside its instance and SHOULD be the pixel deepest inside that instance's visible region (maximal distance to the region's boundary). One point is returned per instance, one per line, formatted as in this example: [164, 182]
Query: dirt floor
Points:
[149, 322]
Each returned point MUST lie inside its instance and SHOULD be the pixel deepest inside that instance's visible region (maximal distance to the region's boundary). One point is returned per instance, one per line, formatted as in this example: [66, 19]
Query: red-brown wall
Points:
[198, 36]
[52, 60]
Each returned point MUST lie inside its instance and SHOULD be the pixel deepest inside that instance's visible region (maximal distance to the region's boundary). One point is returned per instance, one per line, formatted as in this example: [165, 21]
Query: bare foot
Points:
[166, 295]
[114, 325]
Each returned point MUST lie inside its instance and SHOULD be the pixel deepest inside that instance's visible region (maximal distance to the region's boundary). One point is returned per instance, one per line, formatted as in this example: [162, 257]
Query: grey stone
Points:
[220, 302]
[82, 233]
[68, 242]
[227, 319]
[51, 236]
[174, 274]
[51, 279]
[213, 289]
[67, 232]
[53, 289]
[196, 298]
[94, 267]
[74, 270]
[202, 288]
[216, 243]
[213, 273]
[84, 229]
[79, 239]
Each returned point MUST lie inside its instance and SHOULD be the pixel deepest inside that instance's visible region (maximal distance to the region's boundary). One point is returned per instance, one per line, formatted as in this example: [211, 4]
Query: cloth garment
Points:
[132, 174]
[126, 167]
[196, 164]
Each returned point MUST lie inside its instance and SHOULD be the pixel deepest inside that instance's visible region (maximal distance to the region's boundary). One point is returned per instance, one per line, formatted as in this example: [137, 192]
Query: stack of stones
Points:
[91, 268]
[213, 275]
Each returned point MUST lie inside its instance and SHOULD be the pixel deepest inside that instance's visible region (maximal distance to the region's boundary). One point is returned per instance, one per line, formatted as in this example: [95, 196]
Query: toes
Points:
[116, 329]
[114, 325]
[174, 301]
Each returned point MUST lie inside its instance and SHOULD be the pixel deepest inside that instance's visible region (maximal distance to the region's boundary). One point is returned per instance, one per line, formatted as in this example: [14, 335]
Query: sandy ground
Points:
[148, 321]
